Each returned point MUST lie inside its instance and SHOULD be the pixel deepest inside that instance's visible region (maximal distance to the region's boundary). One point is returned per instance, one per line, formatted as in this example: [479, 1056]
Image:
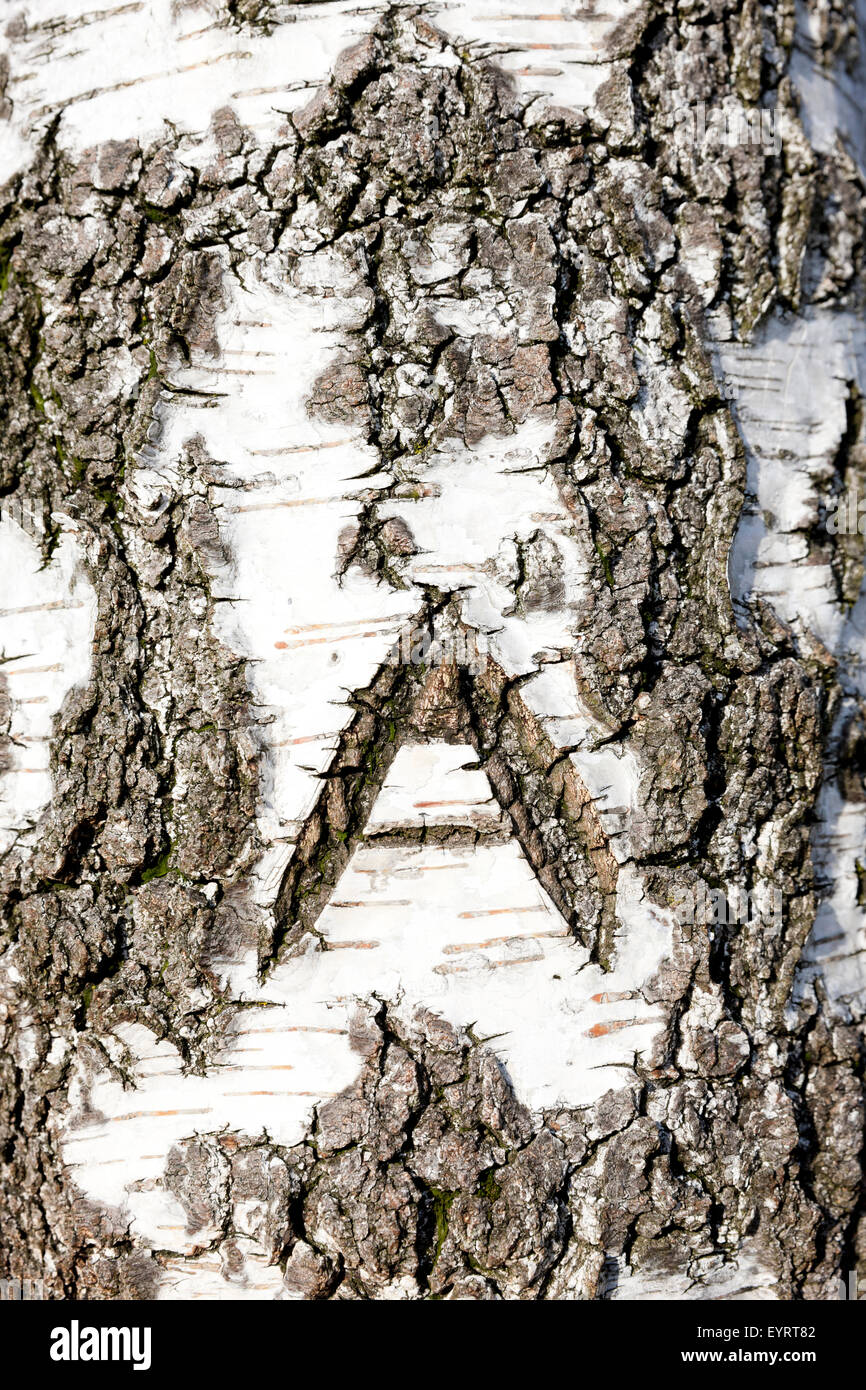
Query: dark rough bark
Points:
[745, 1131]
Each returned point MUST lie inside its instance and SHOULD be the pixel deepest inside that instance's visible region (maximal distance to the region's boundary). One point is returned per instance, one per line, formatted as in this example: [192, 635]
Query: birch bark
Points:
[432, 724]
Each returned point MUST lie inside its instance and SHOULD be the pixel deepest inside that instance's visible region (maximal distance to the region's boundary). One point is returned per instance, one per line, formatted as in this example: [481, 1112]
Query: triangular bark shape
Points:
[543, 799]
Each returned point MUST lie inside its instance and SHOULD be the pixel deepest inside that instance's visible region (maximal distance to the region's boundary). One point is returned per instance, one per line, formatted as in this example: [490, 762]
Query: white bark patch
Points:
[791, 386]
[211, 1276]
[709, 1278]
[477, 506]
[837, 944]
[467, 931]
[294, 484]
[831, 98]
[559, 57]
[433, 784]
[125, 70]
[47, 619]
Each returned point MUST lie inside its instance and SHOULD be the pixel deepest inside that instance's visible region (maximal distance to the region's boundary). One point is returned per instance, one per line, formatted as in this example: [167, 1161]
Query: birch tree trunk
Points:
[432, 722]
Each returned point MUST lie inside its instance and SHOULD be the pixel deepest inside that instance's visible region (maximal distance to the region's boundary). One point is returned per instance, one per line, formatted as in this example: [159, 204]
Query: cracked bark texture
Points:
[548, 281]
